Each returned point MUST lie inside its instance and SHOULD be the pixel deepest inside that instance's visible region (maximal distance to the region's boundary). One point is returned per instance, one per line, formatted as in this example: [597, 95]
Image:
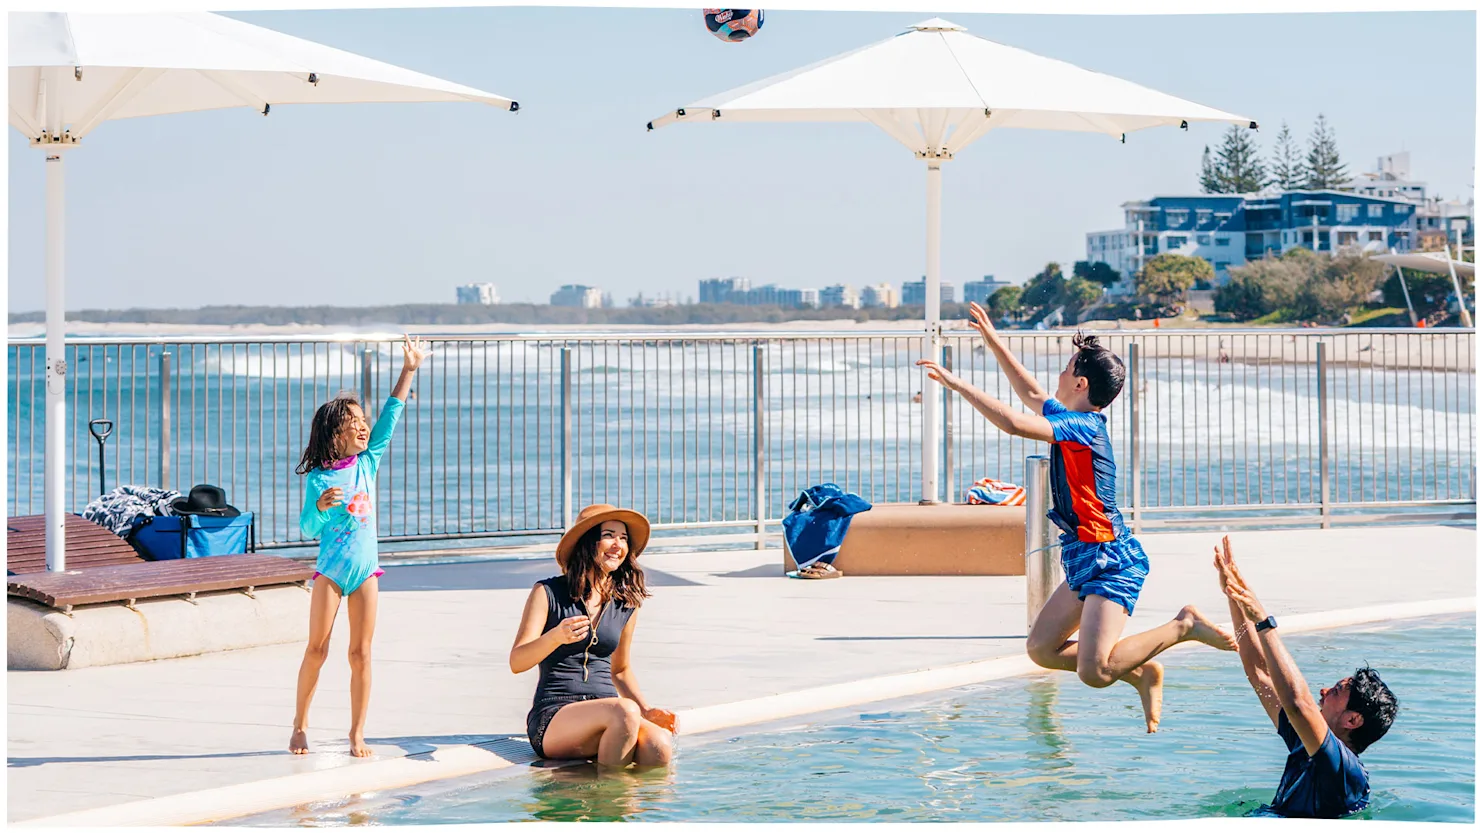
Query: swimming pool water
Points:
[1044, 748]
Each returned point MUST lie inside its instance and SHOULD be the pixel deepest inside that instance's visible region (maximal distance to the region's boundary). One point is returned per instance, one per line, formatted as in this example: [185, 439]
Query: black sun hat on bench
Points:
[205, 499]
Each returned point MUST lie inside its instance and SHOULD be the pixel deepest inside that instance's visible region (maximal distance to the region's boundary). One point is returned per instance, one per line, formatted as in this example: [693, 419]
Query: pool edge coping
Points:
[237, 801]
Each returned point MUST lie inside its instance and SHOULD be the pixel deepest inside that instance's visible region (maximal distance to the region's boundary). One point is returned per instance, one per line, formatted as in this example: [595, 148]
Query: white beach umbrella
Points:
[71, 72]
[936, 90]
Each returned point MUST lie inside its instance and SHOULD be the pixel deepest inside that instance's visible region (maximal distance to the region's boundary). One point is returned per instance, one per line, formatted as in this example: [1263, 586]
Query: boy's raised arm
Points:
[1023, 383]
[1010, 420]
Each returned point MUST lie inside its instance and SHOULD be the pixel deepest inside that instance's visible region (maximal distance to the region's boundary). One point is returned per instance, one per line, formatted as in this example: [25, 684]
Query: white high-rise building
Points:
[879, 295]
[578, 295]
[839, 295]
[477, 293]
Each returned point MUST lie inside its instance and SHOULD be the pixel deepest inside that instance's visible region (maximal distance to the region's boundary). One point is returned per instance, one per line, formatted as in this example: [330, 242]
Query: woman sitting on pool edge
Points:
[577, 628]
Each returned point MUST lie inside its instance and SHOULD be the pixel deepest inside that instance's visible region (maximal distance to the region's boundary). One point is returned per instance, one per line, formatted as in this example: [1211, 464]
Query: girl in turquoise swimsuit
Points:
[341, 461]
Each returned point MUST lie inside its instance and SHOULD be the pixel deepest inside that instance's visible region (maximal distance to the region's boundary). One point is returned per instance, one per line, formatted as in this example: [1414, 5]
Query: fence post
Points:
[949, 429]
[1321, 410]
[1043, 571]
[758, 462]
[1133, 382]
[565, 469]
[367, 386]
[166, 385]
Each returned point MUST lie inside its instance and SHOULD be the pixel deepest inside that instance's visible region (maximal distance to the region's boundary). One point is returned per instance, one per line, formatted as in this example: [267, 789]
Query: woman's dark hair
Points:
[1375, 702]
[323, 433]
[1100, 367]
[628, 586]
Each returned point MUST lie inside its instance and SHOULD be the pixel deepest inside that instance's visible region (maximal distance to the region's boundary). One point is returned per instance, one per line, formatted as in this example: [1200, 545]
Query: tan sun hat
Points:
[594, 516]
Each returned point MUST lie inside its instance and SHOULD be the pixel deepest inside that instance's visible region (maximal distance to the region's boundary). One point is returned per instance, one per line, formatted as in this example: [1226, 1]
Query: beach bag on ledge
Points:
[168, 537]
[989, 492]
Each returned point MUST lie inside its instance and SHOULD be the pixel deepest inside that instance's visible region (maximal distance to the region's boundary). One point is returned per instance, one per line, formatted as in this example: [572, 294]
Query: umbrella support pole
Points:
[56, 361]
[931, 398]
[1459, 294]
[1412, 316]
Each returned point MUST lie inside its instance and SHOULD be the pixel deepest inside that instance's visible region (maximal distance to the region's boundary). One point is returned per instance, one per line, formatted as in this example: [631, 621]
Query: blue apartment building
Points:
[1229, 230]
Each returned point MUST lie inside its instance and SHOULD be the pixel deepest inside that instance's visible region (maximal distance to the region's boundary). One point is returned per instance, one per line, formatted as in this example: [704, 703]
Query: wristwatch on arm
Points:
[1266, 624]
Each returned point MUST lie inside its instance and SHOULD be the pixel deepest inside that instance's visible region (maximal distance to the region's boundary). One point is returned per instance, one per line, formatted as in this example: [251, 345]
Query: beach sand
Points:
[1436, 349]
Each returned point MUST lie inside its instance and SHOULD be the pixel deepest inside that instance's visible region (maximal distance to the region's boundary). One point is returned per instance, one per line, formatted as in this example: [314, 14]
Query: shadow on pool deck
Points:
[492, 575]
[409, 745]
[14, 763]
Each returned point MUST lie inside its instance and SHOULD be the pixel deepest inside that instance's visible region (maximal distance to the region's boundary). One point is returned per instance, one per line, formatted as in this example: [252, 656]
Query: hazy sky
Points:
[374, 204]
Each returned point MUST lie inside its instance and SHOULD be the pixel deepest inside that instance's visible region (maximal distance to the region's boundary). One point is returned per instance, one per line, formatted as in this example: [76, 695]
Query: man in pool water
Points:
[1323, 776]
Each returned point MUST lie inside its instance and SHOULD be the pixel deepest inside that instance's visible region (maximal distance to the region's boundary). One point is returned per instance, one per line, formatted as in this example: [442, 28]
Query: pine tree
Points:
[1210, 180]
[1239, 165]
[1323, 166]
[1288, 173]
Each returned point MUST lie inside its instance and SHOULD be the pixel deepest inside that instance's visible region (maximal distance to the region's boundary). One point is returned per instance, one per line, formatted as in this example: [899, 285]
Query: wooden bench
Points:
[88, 545]
[152, 579]
[944, 539]
[101, 567]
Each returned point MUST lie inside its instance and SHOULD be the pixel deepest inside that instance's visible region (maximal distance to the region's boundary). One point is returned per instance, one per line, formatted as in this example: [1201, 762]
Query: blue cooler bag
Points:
[168, 537]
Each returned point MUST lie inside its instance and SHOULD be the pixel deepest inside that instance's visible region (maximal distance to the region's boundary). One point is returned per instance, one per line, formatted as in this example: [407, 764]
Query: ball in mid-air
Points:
[734, 25]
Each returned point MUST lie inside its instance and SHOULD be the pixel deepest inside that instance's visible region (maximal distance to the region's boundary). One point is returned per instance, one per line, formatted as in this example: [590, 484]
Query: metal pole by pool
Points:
[565, 467]
[367, 383]
[1043, 570]
[1321, 414]
[165, 392]
[758, 461]
[1133, 382]
[949, 428]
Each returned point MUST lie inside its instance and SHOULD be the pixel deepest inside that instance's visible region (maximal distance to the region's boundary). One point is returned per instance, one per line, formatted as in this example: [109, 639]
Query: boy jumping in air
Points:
[1104, 565]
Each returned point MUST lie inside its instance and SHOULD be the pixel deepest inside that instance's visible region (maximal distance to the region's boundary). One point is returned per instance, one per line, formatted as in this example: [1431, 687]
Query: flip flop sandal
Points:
[820, 571]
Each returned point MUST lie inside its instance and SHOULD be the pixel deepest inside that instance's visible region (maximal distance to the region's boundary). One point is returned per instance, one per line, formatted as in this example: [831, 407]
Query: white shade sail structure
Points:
[937, 89]
[70, 73]
[1439, 263]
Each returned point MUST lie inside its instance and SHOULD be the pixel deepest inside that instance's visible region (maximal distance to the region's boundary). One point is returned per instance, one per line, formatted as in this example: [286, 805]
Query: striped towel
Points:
[989, 492]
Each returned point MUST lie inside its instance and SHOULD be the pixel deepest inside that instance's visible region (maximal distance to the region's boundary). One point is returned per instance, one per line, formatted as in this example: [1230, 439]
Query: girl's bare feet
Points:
[298, 743]
[1202, 629]
[357, 746]
[1148, 681]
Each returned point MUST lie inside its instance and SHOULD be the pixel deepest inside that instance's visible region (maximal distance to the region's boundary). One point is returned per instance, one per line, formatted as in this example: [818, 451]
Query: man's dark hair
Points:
[1100, 367]
[1374, 701]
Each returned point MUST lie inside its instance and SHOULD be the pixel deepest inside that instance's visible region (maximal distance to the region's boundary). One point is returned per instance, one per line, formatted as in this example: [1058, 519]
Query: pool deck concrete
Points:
[720, 628]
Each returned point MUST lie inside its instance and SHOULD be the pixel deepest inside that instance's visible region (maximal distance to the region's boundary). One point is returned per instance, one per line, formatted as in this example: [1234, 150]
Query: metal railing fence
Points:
[509, 435]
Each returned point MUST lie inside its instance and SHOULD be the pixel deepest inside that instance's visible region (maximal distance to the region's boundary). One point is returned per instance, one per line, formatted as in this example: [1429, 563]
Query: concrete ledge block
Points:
[44, 639]
[943, 539]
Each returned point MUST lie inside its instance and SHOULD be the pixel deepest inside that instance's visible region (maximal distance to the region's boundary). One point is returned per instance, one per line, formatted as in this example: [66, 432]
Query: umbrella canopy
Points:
[936, 89]
[71, 72]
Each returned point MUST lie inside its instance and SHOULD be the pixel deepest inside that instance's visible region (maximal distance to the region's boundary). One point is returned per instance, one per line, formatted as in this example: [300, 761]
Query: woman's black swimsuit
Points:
[579, 671]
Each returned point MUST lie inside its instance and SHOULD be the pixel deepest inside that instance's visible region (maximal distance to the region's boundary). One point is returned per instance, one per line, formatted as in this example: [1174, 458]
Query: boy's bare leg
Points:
[1101, 658]
[1049, 645]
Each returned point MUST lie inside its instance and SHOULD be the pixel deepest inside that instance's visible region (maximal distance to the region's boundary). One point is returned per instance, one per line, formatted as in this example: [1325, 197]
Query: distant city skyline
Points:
[387, 204]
